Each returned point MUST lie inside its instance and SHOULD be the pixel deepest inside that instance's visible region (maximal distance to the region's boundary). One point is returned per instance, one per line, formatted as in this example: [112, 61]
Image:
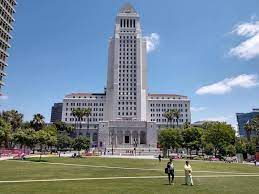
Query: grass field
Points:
[106, 175]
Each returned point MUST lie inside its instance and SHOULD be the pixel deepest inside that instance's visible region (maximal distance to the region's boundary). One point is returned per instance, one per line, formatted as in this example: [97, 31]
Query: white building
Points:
[125, 115]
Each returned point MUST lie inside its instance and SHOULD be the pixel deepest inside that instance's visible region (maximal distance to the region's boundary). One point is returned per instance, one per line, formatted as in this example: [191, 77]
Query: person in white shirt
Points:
[188, 173]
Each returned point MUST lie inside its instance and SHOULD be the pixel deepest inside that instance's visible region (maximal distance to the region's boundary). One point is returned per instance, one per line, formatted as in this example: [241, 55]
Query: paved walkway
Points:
[114, 178]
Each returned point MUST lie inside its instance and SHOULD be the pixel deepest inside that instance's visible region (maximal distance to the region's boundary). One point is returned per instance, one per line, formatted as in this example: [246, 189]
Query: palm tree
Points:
[248, 129]
[177, 116]
[169, 116]
[87, 113]
[37, 122]
[74, 114]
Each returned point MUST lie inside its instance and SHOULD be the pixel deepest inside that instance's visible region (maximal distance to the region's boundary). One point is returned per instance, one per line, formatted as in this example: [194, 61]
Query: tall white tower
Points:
[126, 94]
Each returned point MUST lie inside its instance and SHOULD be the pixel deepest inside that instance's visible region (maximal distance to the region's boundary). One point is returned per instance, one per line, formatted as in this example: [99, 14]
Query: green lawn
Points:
[46, 170]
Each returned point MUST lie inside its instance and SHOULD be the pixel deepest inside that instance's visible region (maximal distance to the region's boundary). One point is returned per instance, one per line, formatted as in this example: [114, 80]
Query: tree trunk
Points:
[40, 151]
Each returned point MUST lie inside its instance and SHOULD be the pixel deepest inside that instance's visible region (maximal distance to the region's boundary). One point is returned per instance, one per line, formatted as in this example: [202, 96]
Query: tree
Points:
[37, 122]
[255, 127]
[169, 139]
[20, 137]
[81, 143]
[192, 138]
[248, 129]
[219, 134]
[87, 113]
[208, 149]
[74, 114]
[230, 150]
[46, 136]
[5, 132]
[176, 114]
[169, 115]
[63, 127]
[63, 141]
[13, 117]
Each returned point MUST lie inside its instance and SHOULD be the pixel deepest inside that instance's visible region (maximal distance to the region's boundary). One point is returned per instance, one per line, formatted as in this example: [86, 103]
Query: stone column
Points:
[131, 140]
[138, 137]
[123, 137]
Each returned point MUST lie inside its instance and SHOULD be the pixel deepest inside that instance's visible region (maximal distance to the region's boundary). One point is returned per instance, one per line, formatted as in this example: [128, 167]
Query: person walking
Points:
[170, 172]
[159, 157]
[188, 173]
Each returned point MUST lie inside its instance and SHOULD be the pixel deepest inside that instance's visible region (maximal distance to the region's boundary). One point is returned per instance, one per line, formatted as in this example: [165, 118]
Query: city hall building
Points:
[125, 115]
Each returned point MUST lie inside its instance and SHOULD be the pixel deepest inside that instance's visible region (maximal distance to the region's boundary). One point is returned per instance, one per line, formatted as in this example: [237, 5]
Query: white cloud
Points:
[249, 48]
[226, 85]
[3, 97]
[152, 41]
[198, 109]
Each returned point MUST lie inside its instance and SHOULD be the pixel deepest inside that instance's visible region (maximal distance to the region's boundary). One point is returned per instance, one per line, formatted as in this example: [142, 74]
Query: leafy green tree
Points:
[240, 146]
[13, 117]
[169, 139]
[208, 149]
[81, 143]
[5, 132]
[219, 134]
[46, 137]
[248, 129]
[192, 139]
[255, 127]
[37, 122]
[20, 137]
[63, 127]
[230, 150]
[250, 147]
[63, 141]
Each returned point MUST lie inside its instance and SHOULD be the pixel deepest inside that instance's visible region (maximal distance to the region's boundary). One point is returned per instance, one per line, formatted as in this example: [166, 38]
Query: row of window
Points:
[127, 41]
[164, 110]
[4, 35]
[127, 23]
[128, 37]
[165, 121]
[128, 62]
[127, 108]
[127, 53]
[85, 104]
[6, 16]
[127, 84]
[161, 115]
[6, 26]
[130, 103]
[128, 45]
[7, 6]
[127, 98]
[168, 105]
[95, 97]
[84, 119]
[3, 56]
[127, 113]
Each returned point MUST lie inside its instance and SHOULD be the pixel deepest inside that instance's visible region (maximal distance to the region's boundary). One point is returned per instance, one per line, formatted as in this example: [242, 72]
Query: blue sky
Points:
[207, 50]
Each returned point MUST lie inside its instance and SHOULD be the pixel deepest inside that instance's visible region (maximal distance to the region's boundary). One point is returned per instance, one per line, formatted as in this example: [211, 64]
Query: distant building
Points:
[56, 112]
[243, 118]
[6, 19]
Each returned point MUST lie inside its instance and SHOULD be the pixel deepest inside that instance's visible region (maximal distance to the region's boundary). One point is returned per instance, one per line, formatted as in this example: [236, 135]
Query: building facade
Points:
[56, 112]
[243, 118]
[125, 115]
[6, 19]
